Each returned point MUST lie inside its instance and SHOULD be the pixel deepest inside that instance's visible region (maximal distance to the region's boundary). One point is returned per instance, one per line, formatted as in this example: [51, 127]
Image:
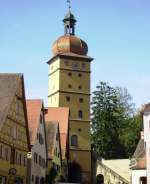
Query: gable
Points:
[15, 127]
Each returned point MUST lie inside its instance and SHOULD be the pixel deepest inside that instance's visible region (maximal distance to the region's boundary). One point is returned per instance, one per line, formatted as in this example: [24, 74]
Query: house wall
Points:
[54, 147]
[57, 153]
[146, 123]
[38, 166]
[136, 174]
[13, 140]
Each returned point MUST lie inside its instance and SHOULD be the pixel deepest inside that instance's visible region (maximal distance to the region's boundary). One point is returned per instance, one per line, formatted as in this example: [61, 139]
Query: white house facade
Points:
[146, 123]
[35, 111]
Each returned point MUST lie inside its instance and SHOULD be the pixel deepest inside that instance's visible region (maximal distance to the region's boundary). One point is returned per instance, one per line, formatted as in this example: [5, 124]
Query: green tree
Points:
[112, 114]
[51, 176]
[130, 133]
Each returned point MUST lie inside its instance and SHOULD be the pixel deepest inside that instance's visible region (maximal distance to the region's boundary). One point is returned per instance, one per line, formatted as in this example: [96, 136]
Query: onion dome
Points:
[69, 42]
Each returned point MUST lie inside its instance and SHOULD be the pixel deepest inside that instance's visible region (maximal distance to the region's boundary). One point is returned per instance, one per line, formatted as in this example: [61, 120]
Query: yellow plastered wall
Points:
[53, 101]
[54, 66]
[82, 157]
[75, 105]
[75, 64]
[53, 81]
[5, 135]
[82, 129]
[78, 84]
[13, 134]
[77, 74]
[5, 166]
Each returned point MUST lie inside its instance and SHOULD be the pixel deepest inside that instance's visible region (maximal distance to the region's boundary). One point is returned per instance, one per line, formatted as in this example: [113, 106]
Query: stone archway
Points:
[100, 179]
[74, 172]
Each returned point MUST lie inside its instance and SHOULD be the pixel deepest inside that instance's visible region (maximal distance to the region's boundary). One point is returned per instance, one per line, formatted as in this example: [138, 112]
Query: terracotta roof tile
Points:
[146, 108]
[139, 156]
[141, 163]
[140, 150]
[33, 112]
[61, 115]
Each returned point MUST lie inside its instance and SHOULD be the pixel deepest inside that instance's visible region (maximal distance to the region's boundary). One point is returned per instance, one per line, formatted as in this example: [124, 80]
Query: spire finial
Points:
[69, 4]
[69, 21]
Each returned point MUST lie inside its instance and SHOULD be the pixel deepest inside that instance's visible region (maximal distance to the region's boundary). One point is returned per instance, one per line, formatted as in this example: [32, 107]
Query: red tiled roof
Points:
[139, 156]
[61, 115]
[33, 112]
[146, 108]
[141, 164]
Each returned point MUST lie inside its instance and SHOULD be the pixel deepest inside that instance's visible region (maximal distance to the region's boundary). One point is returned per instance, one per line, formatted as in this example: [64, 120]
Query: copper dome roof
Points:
[69, 43]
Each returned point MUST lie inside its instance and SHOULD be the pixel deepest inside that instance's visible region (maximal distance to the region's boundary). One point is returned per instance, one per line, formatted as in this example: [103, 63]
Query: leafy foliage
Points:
[130, 134]
[51, 176]
[112, 122]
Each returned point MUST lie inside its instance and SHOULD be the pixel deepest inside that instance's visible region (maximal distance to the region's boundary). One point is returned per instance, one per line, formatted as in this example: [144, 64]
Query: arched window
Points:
[67, 98]
[74, 140]
[100, 179]
[80, 114]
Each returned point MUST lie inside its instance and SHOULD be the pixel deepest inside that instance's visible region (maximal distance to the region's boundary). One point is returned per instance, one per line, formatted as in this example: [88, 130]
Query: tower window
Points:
[74, 140]
[75, 66]
[80, 87]
[67, 98]
[79, 130]
[80, 114]
[80, 75]
[70, 74]
[83, 65]
[81, 100]
[66, 63]
[70, 86]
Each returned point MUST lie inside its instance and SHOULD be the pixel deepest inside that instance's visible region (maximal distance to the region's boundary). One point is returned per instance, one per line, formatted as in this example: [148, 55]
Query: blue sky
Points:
[117, 33]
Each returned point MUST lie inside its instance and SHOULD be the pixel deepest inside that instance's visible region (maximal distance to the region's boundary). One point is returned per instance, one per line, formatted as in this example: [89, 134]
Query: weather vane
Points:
[69, 4]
